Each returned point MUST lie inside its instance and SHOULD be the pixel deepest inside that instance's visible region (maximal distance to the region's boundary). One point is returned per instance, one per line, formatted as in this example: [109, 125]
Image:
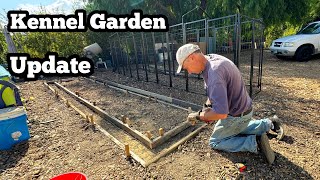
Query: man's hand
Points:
[204, 106]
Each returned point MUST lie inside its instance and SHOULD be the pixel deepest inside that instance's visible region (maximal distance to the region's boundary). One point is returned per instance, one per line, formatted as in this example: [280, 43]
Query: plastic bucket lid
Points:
[70, 176]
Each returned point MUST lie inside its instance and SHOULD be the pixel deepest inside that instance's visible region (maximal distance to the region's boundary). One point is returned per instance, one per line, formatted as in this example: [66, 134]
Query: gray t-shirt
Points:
[225, 86]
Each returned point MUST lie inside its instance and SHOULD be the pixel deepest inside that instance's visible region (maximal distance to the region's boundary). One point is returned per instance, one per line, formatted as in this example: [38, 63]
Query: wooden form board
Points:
[168, 100]
[123, 146]
[136, 134]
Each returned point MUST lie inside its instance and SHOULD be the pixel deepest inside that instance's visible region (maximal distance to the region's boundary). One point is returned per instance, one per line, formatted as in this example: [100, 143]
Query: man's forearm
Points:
[210, 115]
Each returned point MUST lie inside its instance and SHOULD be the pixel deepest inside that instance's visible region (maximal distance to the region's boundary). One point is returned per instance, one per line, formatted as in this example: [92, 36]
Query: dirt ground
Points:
[59, 142]
[145, 115]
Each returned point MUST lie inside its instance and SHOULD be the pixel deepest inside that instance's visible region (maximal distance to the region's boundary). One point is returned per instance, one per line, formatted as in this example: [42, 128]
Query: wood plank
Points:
[136, 134]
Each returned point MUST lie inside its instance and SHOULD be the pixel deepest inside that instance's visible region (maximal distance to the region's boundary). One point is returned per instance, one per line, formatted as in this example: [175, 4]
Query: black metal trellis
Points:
[239, 38]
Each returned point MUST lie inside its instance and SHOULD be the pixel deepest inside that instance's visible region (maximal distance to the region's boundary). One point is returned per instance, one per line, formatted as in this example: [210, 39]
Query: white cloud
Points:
[58, 6]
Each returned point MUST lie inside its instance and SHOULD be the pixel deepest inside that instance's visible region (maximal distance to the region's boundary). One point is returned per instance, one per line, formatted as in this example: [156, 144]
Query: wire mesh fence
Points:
[150, 56]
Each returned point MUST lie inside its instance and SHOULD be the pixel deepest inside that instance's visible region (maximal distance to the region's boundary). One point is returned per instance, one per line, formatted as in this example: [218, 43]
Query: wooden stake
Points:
[161, 132]
[127, 150]
[68, 103]
[128, 121]
[193, 123]
[88, 118]
[56, 93]
[93, 120]
[149, 135]
[123, 119]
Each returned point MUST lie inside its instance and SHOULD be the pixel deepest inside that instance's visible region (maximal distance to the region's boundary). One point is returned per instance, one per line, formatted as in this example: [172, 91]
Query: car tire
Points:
[303, 53]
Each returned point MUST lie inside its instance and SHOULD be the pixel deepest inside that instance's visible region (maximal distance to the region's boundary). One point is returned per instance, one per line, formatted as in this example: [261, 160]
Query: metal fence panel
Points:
[152, 56]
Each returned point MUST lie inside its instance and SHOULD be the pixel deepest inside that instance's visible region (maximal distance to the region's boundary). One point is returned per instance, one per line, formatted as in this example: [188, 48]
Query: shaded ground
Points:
[291, 90]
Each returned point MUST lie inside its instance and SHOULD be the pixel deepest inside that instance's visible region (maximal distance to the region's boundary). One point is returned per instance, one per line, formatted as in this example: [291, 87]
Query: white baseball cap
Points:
[183, 52]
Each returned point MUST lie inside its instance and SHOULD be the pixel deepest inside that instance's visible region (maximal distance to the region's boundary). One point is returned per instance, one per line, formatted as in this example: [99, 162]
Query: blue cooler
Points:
[13, 127]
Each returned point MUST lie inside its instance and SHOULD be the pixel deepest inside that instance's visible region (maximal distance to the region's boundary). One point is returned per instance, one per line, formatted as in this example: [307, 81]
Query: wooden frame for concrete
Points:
[146, 140]
[125, 147]
[121, 145]
[136, 134]
[161, 98]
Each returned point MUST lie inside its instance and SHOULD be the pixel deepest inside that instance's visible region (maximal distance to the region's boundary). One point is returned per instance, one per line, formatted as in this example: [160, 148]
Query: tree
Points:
[37, 44]
[173, 10]
[3, 48]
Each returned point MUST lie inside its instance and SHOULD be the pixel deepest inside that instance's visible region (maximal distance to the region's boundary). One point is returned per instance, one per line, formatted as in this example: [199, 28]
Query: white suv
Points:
[300, 46]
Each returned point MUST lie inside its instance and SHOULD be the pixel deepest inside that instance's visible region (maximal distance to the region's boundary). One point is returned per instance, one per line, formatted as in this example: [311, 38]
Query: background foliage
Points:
[281, 17]
[3, 48]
